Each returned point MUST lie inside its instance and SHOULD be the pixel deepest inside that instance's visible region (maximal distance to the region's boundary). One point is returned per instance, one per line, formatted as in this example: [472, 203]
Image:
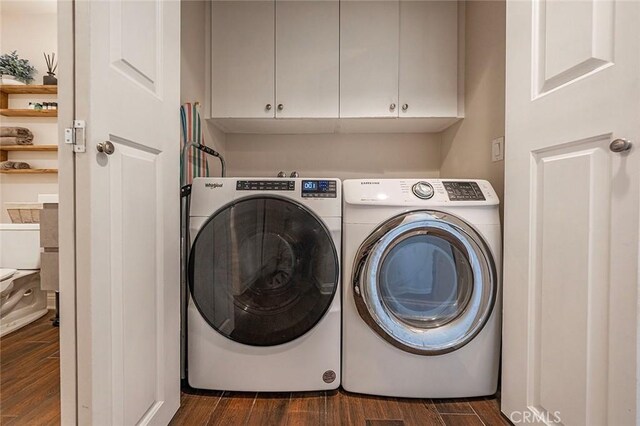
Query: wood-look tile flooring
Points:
[332, 408]
[30, 395]
[30, 375]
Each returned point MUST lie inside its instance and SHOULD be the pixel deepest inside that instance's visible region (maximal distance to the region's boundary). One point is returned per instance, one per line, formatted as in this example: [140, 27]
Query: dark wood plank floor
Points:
[332, 408]
[30, 395]
[30, 375]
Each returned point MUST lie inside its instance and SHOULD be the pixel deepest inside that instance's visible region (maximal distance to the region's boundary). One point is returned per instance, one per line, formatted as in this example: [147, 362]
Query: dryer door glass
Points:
[263, 271]
[425, 281]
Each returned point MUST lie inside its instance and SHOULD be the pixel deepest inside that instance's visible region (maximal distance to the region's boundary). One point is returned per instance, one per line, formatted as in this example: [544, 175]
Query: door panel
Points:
[369, 37]
[570, 280]
[127, 213]
[428, 58]
[136, 335]
[243, 59]
[571, 212]
[571, 40]
[134, 40]
[307, 58]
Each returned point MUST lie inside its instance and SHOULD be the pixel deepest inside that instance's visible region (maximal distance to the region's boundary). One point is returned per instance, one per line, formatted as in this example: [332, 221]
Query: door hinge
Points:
[71, 136]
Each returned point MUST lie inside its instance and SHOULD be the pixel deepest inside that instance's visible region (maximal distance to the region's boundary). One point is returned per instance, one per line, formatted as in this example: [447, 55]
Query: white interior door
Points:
[243, 58]
[307, 58]
[127, 213]
[369, 34]
[571, 212]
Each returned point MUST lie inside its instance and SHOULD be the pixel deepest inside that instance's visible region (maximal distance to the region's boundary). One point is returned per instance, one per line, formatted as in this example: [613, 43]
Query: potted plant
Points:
[15, 70]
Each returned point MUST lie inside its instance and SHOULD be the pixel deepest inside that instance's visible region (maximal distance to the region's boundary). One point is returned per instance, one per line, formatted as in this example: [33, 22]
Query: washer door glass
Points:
[263, 271]
[425, 281]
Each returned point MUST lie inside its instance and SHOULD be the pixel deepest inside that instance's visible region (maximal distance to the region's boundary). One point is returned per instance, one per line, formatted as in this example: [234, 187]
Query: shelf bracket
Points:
[71, 136]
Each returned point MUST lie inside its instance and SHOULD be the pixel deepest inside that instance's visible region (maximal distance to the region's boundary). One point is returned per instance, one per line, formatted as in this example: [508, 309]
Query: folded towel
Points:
[15, 140]
[11, 165]
[20, 132]
[21, 165]
[21, 135]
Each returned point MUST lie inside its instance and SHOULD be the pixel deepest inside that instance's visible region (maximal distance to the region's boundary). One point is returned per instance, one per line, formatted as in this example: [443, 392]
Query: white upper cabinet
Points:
[326, 62]
[242, 59]
[307, 58]
[428, 59]
[369, 54]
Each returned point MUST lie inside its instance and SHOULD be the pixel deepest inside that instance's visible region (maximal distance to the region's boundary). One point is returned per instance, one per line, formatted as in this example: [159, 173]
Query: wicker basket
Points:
[24, 212]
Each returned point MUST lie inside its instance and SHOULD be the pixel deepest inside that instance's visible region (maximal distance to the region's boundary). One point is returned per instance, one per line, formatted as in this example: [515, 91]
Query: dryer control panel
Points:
[463, 191]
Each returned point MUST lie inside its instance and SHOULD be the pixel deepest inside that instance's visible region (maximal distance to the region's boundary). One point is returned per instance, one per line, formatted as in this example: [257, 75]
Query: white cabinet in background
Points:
[243, 59]
[369, 54]
[335, 65]
[307, 58]
[428, 59]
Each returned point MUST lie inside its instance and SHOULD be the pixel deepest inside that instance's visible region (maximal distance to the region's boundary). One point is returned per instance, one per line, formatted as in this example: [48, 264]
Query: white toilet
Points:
[21, 299]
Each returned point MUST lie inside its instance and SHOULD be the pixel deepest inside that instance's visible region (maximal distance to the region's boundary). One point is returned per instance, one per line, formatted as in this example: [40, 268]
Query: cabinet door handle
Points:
[392, 107]
[405, 107]
[280, 107]
[268, 107]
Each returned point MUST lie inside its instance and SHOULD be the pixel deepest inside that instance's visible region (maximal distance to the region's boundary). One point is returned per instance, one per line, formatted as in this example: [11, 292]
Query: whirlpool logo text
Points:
[213, 185]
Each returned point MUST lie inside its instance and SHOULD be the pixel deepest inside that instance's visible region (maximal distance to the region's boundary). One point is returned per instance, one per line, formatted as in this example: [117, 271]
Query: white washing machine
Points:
[421, 304]
[264, 284]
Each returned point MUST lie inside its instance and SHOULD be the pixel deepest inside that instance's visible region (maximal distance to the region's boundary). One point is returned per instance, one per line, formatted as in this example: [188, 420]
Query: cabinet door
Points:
[307, 58]
[369, 58]
[428, 58]
[242, 59]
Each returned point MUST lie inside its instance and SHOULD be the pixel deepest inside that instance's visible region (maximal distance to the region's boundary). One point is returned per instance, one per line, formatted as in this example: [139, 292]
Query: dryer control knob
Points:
[423, 190]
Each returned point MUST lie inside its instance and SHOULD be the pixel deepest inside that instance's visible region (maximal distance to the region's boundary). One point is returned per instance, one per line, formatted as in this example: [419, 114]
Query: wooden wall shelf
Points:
[28, 147]
[27, 171]
[4, 149]
[29, 89]
[29, 112]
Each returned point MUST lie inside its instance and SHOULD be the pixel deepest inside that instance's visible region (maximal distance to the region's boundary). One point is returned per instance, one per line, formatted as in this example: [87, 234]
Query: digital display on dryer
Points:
[319, 189]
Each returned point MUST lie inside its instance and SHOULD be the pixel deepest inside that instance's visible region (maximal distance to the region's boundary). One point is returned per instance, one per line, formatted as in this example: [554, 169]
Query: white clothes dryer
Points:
[264, 284]
[421, 287]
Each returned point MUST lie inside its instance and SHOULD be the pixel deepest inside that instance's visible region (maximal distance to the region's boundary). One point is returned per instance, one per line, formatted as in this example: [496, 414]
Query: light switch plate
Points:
[497, 149]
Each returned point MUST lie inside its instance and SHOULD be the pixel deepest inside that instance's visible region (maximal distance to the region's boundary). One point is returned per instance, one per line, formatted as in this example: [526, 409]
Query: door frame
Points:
[67, 223]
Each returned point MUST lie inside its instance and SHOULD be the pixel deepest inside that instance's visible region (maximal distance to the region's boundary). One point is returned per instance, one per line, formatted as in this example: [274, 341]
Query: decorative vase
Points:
[9, 79]
[50, 79]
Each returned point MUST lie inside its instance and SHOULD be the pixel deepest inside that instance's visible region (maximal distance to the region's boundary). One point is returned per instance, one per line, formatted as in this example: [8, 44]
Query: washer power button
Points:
[423, 190]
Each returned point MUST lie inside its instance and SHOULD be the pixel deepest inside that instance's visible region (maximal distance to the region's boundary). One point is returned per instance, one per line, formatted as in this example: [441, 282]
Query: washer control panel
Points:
[463, 191]
[319, 189]
[423, 190]
[265, 185]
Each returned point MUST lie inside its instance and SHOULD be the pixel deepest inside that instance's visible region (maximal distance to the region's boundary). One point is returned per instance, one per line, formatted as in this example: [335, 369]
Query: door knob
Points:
[280, 107]
[268, 107]
[392, 107]
[106, 147]
[620, 145]
[405, 107]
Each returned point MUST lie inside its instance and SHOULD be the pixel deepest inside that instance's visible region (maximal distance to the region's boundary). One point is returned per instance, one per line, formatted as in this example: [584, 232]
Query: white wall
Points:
[31, 29]
[466, 146]
[335, 155]
[193, 70]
